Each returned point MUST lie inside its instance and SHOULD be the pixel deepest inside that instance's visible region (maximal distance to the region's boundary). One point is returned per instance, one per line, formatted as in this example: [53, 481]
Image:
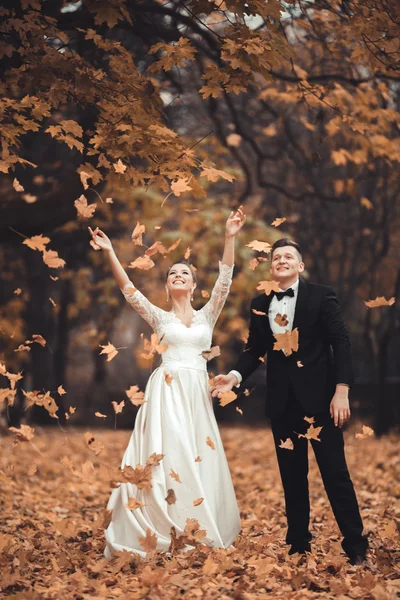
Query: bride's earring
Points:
[192, 295]
[167, 294]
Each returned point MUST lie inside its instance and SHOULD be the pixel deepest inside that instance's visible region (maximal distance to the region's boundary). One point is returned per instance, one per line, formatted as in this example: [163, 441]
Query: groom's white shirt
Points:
[285, 306]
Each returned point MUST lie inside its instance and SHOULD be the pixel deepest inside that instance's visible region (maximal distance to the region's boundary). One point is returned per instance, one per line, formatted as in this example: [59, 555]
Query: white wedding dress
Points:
[178, 421]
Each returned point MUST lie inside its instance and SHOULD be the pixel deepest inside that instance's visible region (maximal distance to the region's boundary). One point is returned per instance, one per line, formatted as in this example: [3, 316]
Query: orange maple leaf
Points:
[312, 433]
[171, 496]
[149, 542]
[137, 234]
[100, 415]
[380, 301]
[168, 378]
[268, 286]
[278, 221]
[260, 313]
[133, 504]
[118, 407]
[366, 432]
[119, 167]
[175, 476]
[288, 341]
[198, 501]
[52, 260]
[259, 246]
[212, 353]
[180, 185]
[281, 320]
[205, 294]
[143, 262]
[24, 432]
[210, 443]
[287, 444]
[110, 350]
[84, 210]
[37, 242]
[239, 410]
[234, 139]
[226, 398]
[253, 263]
[135, 396]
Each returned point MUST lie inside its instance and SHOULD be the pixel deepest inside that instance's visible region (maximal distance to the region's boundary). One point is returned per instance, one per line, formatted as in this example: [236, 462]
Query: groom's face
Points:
[286, 264]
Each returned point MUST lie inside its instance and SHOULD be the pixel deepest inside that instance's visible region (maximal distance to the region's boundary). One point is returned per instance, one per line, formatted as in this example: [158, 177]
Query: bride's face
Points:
[180, 279]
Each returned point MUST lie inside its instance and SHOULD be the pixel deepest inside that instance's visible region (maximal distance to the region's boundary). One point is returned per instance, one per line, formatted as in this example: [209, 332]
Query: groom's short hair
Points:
[286, 242]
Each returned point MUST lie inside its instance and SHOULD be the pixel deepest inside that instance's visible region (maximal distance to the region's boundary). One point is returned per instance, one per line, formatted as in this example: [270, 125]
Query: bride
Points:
[176, 433]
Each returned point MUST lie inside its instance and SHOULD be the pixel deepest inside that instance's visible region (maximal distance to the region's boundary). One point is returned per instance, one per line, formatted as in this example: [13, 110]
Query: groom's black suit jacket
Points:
[324, 351]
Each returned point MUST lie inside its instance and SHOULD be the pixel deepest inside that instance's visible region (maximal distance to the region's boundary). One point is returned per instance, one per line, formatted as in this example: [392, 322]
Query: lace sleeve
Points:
[144, 307]
[219, 294]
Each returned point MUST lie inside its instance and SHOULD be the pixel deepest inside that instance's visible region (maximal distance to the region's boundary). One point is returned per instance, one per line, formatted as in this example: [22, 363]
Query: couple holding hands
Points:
[177, 418]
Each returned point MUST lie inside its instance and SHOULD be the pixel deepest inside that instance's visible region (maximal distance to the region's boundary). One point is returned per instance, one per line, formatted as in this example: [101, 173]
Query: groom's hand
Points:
[223, 384]
[340, 409]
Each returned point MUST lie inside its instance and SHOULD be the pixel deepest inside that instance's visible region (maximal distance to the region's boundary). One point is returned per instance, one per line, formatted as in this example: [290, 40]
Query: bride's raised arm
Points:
[144, 307]
[221, 288]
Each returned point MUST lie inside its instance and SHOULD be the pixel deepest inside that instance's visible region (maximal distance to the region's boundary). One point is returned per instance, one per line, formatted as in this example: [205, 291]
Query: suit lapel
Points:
[300, 314]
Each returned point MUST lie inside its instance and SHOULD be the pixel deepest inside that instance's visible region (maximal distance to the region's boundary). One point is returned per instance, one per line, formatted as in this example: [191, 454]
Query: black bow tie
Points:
[288, 292]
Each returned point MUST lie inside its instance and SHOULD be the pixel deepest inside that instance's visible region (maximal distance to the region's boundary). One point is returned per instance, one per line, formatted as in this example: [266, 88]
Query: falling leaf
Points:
[197, 459]
[143, 262]
[187, 253]
[17, 292]
[205, 294]
[110, 350]
[174, 245]
[366, 432]
[171, 497]
[312, 433]
[210, 354]
[137, 234]
[154, 460]
[198, 501]
[380, 301]
[299, 364]
[119, 167]
[278, 221]
[29, 198]
[260, 313]
[288, 341]
[109, 201]
[84, 210]
[61, 390]
[100, 415]
[156, 247]
[37, 242]
[53, 278]
[17, 186]
[366, 203]
[239, 410]
[92, 443]
[175, 476]
[24, 432]
[268, 286]
[287, 444]
[133, 504]
[168, 378]
[210, 443]
[253, 263]
[157, 227]
[179, 186]
[118, 407]
[226, 398]
[149, 542]
[52, 260]
[270, 131]
[309, 419]
[22, 348]
[135, 396]
[281, 320]
[259, 246]
[39, 339]
[234, 140]
[53, 303]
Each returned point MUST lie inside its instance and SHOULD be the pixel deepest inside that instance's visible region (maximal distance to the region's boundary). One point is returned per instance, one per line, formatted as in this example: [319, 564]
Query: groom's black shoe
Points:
[357, 559]
[303, 549]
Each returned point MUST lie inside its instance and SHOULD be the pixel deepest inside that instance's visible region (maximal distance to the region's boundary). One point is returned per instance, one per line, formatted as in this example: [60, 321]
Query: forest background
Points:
[170, 114]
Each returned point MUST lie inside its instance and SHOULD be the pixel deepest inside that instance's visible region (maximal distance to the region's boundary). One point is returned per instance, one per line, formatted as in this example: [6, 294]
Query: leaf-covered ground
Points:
[52, 517]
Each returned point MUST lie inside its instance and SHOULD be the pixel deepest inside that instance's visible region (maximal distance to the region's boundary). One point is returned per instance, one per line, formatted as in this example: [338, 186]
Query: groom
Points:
[314, 382]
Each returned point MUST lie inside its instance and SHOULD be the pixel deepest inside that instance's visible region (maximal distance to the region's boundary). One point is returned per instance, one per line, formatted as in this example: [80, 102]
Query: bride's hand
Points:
[235, 222]
[100, 240]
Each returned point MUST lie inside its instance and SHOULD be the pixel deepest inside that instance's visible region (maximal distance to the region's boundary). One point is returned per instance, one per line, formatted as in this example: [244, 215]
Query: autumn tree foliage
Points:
[112, 112]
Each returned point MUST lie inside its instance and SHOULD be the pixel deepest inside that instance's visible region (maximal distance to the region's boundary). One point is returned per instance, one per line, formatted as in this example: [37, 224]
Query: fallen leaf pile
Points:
[54, 497]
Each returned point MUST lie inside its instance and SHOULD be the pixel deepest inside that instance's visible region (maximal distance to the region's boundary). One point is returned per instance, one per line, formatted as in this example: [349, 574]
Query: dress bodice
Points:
[185, 344]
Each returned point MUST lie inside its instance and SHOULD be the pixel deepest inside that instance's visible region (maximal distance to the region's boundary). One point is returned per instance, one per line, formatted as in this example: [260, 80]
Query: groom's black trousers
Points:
[293, 466]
